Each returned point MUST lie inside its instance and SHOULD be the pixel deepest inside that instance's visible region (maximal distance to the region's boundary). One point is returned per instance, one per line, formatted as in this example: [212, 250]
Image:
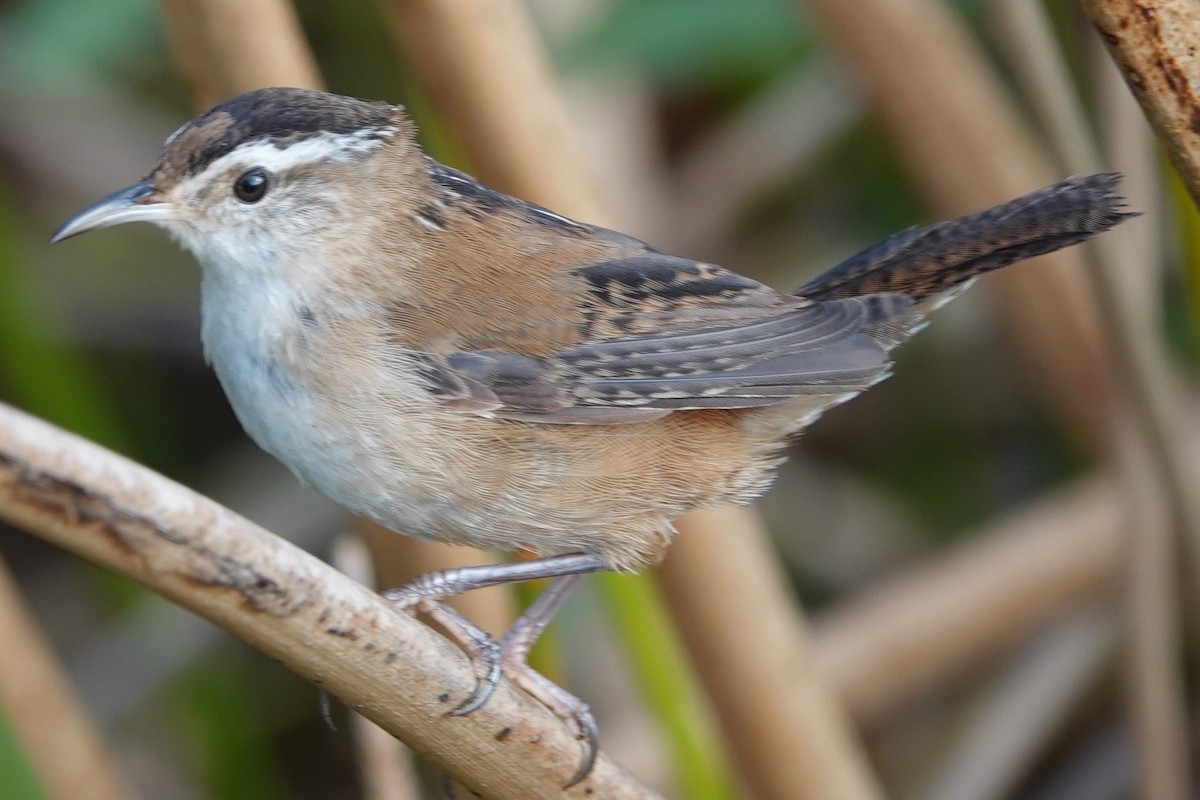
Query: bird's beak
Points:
[133, 203]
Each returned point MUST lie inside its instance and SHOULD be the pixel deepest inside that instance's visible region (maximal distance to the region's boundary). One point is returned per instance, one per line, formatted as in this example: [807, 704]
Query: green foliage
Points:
[690, 43]
[669, 686]
[17, 780]
[56, 38]
[41, 367]
[1183, 307]
[228, 731]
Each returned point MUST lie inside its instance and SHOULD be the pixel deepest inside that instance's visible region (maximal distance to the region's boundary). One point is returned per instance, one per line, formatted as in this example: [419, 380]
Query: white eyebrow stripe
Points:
[276, 159]
[311, 150]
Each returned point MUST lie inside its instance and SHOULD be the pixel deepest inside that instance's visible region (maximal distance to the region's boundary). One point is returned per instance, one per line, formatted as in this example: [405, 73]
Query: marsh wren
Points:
[461, 365]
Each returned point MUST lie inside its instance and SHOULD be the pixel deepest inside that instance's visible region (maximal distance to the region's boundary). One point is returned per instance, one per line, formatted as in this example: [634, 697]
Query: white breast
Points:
[354, 444]
[245, 328]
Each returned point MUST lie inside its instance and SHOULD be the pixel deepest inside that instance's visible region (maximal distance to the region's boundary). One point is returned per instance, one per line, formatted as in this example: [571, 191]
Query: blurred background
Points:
[973, 492]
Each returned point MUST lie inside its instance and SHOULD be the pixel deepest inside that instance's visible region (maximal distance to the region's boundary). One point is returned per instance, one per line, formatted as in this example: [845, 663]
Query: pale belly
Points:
[353, 462]
[381, 446]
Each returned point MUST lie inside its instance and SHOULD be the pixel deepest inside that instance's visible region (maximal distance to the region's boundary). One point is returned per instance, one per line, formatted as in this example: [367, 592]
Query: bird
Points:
[460, 365]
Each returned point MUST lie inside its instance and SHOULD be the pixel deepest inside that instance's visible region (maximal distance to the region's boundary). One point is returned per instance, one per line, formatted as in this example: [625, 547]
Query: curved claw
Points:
[486, 679]
[490, 659]
[589, 733]
[483, 651]
[566, 706]
[326, 701]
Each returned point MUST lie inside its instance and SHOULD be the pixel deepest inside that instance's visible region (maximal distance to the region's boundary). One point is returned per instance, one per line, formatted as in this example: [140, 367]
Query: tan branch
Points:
[289, 605]
[1156, 43]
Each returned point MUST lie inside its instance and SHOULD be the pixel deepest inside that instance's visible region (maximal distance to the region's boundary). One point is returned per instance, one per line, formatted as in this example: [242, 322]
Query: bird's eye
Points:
[251, 185]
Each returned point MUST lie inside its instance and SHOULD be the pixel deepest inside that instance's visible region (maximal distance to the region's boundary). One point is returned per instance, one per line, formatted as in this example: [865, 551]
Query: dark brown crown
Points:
[281, 115]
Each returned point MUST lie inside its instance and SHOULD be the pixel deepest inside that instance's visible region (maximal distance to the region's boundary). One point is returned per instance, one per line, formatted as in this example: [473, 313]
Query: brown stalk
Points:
[40, 705]
[761, 671]
[399, 559]
[953, 124]
[1148, 456]
[291, 606]
[1157, 693]
[917, 631]
[486, 70]
[1021, 711]
[1157, 47]
[227, 47]
[487, 73]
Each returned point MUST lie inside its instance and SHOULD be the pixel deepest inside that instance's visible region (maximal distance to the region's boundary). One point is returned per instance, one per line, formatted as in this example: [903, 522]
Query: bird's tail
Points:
[926, 261]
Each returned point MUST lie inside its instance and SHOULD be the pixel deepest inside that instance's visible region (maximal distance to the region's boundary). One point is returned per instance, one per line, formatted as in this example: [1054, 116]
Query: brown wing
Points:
[585, 325]
[666, 334]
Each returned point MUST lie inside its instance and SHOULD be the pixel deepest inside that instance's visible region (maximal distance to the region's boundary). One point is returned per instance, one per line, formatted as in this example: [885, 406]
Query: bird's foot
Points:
[490, 659]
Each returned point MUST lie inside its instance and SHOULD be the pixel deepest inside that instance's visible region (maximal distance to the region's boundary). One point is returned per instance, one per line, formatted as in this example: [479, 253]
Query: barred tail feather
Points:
[925, 261]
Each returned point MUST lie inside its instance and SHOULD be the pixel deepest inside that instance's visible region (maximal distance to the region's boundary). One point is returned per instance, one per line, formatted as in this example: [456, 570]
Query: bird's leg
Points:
[488, 659]
[514, 648]
[427, 592]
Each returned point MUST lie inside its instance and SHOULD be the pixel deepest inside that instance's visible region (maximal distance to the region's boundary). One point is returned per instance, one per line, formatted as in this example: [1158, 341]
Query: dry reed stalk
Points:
[1022, 711]
[761, 671]
[1157, 47]
[954, 125]
[1156, 686]
[43, 711]
[921, 629]
[1145, 451]
[1156, 43]
[227, 47]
